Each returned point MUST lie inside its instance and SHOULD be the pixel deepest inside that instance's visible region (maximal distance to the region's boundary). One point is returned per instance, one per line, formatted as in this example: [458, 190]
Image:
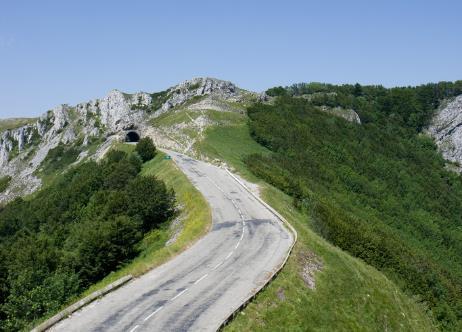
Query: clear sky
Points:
[54, 52]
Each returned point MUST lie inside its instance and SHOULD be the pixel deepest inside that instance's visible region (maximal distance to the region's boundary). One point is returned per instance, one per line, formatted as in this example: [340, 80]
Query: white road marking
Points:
[217, 266]
[179, 294]
[133, 329]
[229, 255]
[237, 244]
[153, 313]
[201, 278]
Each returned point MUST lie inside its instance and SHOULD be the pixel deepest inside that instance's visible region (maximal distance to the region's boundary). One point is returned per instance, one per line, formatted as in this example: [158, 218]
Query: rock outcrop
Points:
[446, 129]
[348, 114]
[23, 149]
[198, 87]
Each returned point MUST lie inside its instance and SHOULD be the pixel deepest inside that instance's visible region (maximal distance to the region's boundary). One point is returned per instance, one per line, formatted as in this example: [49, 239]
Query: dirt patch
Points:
[176, 227]
[309, 264]
[280, 294]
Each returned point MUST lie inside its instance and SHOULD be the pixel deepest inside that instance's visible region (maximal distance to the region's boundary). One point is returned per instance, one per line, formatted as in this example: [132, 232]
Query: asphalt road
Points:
[198, 289]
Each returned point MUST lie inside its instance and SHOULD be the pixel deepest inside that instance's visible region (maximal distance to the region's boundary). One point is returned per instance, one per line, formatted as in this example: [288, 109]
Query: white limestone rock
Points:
[23, 149]
[446, 129]
[348, 114]
[197, 87]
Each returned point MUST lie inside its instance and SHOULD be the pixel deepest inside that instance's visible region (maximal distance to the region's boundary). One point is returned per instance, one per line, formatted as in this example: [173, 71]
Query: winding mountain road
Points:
[201, 287]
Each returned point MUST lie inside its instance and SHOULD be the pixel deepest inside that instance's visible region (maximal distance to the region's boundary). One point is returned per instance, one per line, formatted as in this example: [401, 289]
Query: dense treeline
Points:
[379, 190]
[73, 233]
[410, 107]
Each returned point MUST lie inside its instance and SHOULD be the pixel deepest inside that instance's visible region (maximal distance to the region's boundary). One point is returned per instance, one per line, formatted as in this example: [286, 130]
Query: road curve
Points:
[198, 289]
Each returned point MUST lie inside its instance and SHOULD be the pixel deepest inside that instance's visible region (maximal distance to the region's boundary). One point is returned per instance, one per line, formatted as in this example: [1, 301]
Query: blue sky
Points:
[54, 52]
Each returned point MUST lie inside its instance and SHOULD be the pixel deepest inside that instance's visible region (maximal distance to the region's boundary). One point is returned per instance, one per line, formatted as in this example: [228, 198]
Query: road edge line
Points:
[280, 218]
[79, 304]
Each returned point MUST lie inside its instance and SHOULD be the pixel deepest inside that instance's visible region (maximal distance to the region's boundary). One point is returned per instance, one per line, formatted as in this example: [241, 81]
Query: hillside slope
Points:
[208, 119]
[378, 190]
[68, 134]
[322, 287]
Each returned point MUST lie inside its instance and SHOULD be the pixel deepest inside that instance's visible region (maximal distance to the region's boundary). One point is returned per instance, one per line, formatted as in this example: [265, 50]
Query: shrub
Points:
[146, 149]
[150, 201]
[4, 182]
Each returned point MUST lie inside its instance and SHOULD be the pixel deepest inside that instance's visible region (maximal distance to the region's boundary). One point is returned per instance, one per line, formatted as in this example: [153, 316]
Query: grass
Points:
[349, 294]
[230, 141]
[194, 212]
[6, 124]
[172, 118]
[57, 160]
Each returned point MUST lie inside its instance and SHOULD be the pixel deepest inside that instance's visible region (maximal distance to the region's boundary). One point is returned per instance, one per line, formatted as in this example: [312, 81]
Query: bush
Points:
[104, 245]
[59, 157]
[150, 201]
[146, 149]
[4, 182]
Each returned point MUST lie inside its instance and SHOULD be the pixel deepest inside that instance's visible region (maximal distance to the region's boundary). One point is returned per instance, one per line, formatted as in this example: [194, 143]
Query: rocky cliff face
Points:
[446, 129]
[23, 149]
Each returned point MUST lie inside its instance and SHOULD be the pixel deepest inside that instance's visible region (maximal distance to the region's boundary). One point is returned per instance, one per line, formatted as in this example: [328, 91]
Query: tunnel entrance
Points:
[132, 136]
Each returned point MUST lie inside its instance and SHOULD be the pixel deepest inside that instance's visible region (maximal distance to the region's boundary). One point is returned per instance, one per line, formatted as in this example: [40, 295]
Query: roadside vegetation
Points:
[6, 124]
[322, 288]
[90, 221]
[145, 149]
[193, 221]
[379, 191]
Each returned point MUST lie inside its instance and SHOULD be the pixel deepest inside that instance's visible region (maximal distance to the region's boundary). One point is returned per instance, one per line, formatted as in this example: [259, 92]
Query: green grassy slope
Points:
[348, 295]
[12, 123]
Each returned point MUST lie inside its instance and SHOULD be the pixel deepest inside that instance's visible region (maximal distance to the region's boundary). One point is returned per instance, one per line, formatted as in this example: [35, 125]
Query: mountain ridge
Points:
[99, 121]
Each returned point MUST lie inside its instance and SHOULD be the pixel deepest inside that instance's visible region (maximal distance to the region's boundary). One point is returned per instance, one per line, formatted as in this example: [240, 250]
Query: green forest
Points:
[379, 189]
[85, 224]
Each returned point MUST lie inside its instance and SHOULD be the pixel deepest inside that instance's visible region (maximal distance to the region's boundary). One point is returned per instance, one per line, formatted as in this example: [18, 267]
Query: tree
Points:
[104, 245]
[146, 149]
[358, 90]
[150, 200]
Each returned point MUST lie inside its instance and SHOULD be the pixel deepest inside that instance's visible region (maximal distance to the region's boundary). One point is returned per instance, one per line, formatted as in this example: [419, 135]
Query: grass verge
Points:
[349, 295]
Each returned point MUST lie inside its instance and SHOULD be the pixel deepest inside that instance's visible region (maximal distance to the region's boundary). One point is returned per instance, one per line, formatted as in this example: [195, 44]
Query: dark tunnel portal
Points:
[132, 136]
